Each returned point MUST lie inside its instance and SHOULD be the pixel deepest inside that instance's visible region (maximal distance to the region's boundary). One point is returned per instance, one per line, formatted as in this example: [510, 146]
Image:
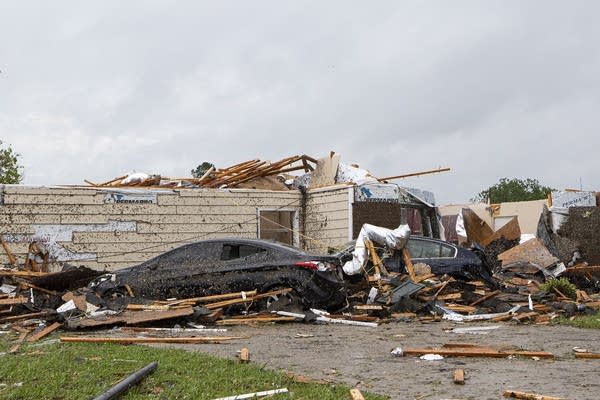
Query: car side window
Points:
[235, 251]
[428, 249]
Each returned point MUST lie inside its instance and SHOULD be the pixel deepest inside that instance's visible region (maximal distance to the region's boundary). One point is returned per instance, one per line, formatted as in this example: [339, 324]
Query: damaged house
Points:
[131, 219]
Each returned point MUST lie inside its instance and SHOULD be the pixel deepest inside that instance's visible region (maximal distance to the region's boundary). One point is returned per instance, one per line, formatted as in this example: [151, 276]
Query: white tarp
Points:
[393, 239]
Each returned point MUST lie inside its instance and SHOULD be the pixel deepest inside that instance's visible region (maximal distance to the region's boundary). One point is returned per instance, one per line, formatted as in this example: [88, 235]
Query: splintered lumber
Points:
[408, 263]
[432, 171]
[15, 347]
[27, 316]
[264, 393]
[129, 340]
[528, 396]
[459, 376]
[377, 264]
[9, 253]
[8, 272]
[582, 269]
[46, 331]
[248, 299]
[254, 320]
[13, 301]
[356, 394]
[587, 355]
[485, 298]
[34, 287]
[476, 352]
[129, 317]
[245, 355]
[214, 297]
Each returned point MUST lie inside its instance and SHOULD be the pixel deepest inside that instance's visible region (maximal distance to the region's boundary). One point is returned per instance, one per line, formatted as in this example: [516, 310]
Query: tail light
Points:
[316, 265]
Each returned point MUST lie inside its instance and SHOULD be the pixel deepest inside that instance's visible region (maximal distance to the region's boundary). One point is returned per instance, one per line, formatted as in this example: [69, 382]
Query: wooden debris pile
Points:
[233, 176]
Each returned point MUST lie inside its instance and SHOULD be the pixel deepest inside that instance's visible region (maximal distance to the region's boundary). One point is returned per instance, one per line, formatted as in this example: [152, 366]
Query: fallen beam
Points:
[476, 352]
[44, 332]
[587, 355]
[528, 396]
[129, 340]
[264, 393]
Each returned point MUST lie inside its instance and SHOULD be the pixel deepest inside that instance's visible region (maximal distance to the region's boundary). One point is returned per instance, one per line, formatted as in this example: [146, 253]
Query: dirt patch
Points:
[361, 356]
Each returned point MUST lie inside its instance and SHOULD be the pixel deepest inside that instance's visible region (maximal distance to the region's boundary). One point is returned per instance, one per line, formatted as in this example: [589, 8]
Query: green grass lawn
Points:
[582, 321]
[51, 370]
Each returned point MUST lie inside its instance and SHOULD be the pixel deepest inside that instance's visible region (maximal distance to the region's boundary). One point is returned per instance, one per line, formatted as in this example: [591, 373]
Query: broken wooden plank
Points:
[587, 355]
[225, 303]
[476, 352]
[433, 171]
[5, 272]
[264, 393]
[254, 320]
[14, 318]
[13, 301]
[129, 317]
[408, 263]
[9, 253]
[421, 278]
[44, 332]
[212, 298]
[39, 289]
[356, 394]
[129, 340]
[450, 296]
[459, 376]
[528, 396]
[15, 347]
[244, 355]
[485, 298]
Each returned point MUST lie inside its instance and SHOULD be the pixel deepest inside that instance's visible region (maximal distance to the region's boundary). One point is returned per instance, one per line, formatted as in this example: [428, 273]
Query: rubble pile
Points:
[520, 282]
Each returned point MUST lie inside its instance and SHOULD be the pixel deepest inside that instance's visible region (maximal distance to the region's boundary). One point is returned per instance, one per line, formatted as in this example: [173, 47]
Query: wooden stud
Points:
[356, 394]
[9, 253]
[408, 263]
[46, 331]
[128, 340]
[245, 355]
[459, 376]
[528, 396]
[485, 298]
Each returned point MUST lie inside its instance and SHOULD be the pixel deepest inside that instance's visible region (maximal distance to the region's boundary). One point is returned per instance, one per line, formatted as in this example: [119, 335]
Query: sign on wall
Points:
[130, 198]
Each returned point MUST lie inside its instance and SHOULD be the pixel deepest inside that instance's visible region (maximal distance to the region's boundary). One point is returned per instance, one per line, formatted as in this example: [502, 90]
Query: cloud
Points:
[490, 89]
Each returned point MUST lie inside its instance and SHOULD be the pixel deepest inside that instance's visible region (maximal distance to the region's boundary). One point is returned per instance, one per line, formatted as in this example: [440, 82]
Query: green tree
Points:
[201, 169]
[10, 170]
[515, 189]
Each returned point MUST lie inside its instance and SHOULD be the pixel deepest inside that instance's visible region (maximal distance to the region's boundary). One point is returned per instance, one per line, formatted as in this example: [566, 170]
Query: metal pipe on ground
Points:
[128, 382]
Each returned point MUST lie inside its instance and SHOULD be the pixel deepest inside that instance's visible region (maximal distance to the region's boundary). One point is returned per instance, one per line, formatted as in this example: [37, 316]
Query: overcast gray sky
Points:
[93, 90]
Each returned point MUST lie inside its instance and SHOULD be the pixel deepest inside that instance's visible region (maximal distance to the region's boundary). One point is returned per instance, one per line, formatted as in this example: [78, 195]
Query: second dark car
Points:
[443, 258]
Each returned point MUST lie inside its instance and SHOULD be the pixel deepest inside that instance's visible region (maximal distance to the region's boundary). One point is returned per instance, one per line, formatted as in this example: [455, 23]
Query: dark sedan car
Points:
[443, 258]
[231, 265]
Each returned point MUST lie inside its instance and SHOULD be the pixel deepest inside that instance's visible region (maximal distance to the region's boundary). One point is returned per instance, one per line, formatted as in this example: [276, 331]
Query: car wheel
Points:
[284, 302]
